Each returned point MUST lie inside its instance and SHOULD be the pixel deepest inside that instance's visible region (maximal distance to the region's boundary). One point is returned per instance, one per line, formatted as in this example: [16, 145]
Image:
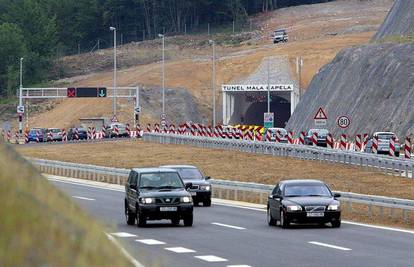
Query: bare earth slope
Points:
[318, 33]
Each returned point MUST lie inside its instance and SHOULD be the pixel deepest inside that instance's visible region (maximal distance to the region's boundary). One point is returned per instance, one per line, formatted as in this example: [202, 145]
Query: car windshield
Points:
[281, 130]
[280, 32]
[385, 136]
[33, 131]
[307, 190]
[55, 130]
[160, 180]
[190, 173]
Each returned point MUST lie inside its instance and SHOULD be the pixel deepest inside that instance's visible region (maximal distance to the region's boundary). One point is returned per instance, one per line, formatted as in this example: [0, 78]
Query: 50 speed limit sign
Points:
[343, 122]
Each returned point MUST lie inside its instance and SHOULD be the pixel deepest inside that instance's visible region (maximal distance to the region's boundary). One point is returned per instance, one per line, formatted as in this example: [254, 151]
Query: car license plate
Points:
[193, 193]
[168, 208]
[315, 214]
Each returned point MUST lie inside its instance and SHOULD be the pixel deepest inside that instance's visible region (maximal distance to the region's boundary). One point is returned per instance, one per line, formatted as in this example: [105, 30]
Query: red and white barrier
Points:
[37, 136]
[16, 137]
[116, 130]
[65, 136]
[76, 137]
[103, 132]
[49, 137]
[26, 137]
[314, 139]
[128, 130]
[278, 136]
[138, 128]
[392, 147]
[407, 148]
[290, 137]
[329, 141]
[148, 128]
[375, 145]
[302, 138]
[89, 133]
[359, 142]
[258, 135]
[343, 142]
[268, 136]
[157, 128]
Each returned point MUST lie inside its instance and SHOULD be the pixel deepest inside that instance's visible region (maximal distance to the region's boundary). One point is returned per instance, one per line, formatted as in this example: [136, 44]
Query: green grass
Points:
[400, 39]
[40, 226]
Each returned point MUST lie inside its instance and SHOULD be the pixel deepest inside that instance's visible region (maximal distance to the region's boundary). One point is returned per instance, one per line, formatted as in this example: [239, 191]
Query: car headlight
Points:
[147, 200]
[205, 187]
[186, 199]
[333, 207]
[294, 208]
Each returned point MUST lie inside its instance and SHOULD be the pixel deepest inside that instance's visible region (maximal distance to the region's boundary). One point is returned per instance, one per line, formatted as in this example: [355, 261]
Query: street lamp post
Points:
[114, 79]
[163, 71]
[268, 85]
[213, 81]
[20, 96]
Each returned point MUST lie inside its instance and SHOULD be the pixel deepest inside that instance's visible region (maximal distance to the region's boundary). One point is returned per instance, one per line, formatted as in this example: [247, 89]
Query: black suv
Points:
[156, 194]
[201, 187]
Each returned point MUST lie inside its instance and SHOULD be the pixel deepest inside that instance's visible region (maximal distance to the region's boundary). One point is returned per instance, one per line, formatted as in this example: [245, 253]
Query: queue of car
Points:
[171, 191]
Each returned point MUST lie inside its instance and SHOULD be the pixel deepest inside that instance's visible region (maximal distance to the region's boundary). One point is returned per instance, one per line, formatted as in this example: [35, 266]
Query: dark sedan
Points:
[82, 134]
[321, 140]
[303, 201]
[201, 187]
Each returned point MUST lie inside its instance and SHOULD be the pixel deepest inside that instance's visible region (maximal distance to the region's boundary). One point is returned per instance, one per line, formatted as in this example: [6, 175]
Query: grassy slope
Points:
[40, 226]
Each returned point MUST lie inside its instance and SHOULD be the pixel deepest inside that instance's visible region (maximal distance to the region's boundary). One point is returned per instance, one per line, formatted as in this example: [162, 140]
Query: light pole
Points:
[114, 79]
[268, 85]
[20, 96]
[163, 72]
[213, 81]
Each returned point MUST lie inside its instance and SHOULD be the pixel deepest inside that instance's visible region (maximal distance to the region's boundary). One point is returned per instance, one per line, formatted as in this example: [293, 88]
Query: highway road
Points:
[232, 235]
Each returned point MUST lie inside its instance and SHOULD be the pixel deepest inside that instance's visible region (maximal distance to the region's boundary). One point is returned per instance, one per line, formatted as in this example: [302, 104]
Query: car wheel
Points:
[284, 223]
[188, 220]
[175, 221]
[129, 216]
[397, 154]
[336, 223]
[207, 203]
[270, 220]
[141, 220]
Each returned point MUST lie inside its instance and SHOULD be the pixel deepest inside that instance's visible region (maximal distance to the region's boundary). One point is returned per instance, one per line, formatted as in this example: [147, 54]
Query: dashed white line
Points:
[229, 226]
[84, 198]
[211, 258]
[123, 234]
[329, 246]
[180, 250]
[150, 242]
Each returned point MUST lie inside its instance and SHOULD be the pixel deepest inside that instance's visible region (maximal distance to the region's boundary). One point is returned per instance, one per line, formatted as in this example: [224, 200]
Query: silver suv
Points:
[280, 36]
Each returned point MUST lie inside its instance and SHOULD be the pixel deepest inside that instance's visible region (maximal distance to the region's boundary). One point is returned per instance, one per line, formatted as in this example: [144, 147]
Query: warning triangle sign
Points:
[320, 115]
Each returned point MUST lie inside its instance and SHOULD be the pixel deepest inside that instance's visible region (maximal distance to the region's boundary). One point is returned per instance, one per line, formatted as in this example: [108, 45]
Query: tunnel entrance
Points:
[279, 106]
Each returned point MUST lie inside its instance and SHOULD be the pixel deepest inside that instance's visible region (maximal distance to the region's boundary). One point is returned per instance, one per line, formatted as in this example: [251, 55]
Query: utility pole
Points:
[233, 26]
[268, 85]
[299, 65]
[208, 28]
[213, 81]
[163, 71]
[114, 79]
[20, 97]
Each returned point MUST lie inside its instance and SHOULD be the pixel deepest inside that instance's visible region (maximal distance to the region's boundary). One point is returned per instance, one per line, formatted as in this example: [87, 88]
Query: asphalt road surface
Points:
[229, 235]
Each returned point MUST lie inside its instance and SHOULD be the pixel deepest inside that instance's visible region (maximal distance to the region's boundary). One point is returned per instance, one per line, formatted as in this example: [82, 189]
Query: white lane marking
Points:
[380, 227]
[239, 206]
[150, 242]
[329, 246]
[239, 266]
[85, 183]
[123, 234]
[84, 198]
[211, 258]
[229, 226]
[123, 251]
[180, 250]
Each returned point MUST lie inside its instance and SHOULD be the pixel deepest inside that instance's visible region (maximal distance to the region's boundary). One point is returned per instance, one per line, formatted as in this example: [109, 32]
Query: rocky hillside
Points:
[400, 20]
[372, 84]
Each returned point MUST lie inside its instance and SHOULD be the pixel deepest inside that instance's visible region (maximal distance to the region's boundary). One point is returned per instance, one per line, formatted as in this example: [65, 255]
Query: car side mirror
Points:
[276, 197]
[207, 178]
[188, 186]
[336, 195]
[133, 186]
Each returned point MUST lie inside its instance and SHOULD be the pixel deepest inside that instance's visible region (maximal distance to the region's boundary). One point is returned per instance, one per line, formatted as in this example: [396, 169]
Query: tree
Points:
[12, 48]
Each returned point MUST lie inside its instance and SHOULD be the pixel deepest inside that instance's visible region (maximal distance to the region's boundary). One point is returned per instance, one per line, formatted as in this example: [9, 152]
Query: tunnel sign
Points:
[320, 117]
[269, 118]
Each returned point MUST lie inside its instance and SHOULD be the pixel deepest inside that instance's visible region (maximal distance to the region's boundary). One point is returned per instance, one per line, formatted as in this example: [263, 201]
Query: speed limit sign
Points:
[343, 122]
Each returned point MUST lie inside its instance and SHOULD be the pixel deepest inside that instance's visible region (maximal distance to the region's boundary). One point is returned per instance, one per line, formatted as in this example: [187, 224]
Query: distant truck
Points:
[280, 36]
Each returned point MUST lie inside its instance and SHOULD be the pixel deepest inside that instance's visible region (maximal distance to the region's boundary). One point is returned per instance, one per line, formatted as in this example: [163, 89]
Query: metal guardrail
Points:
[222, 188]
[390, 166]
